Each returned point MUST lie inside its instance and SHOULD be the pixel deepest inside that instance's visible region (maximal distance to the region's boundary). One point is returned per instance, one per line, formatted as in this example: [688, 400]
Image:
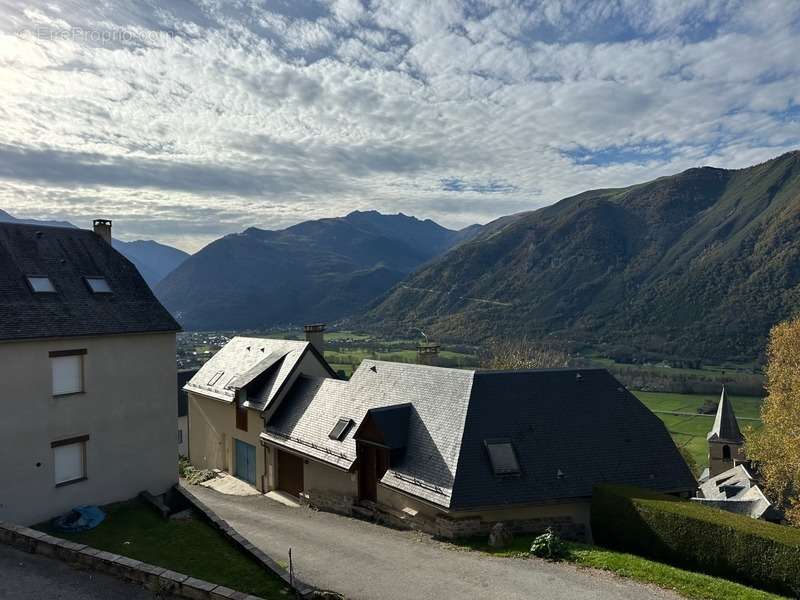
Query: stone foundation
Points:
[328, 501]
[565, 527]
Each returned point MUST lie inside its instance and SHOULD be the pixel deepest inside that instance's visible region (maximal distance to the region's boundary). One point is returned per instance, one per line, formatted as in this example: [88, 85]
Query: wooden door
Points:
[290, 473]
[367, 480]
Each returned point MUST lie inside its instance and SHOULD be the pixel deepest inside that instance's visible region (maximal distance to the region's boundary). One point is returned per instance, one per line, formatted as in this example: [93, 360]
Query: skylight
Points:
[98, 285]
[503, 457]
[41, 285]
[215, 378]
[340, 429]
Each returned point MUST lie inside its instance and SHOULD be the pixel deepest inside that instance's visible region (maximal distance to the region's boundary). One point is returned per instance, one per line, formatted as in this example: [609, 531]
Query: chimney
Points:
[428, 353]
[102, 227]
[315, 335]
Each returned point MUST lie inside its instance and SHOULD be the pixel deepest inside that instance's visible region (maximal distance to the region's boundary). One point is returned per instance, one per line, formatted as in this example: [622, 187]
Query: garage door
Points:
[290, 473]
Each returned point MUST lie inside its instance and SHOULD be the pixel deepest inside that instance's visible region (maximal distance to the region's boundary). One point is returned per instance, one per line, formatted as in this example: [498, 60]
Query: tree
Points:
[776, 447]
[521, 354]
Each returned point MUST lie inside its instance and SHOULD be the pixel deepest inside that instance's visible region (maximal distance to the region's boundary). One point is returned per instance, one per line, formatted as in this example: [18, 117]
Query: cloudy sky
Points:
[184, 120]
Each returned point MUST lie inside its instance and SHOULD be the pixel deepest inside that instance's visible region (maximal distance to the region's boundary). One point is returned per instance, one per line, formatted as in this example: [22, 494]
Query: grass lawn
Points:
[686, 583]
[690, 431]
[190, 546]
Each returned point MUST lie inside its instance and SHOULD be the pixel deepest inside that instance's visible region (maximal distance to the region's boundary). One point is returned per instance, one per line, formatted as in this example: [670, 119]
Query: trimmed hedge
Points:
[689, 535]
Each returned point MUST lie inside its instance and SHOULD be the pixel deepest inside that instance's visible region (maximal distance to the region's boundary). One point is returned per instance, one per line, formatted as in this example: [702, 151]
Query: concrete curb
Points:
[301, 588]
[156, 579]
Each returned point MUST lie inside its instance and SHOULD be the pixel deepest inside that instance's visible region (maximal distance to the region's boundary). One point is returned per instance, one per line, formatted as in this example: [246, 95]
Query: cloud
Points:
[198, 118]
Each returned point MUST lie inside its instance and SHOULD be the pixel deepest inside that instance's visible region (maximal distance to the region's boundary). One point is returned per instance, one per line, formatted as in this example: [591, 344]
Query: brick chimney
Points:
[315, 335]
[102, 227]
[428, 353]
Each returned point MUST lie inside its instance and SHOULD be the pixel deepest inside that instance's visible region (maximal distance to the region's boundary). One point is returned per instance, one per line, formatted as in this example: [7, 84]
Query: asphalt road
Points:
[365, 561]
[26, 576]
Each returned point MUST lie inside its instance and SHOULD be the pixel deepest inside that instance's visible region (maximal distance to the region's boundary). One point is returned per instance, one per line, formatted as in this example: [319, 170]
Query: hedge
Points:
[697, 537]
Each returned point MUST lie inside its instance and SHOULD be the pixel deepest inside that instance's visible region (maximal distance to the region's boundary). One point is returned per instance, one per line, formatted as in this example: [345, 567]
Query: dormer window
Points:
[98, 285]
[40, 284]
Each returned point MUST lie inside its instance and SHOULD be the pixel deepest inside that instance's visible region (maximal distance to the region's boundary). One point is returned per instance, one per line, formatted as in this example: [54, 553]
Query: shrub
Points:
[549, 546]
[192, 474]
[697, 537]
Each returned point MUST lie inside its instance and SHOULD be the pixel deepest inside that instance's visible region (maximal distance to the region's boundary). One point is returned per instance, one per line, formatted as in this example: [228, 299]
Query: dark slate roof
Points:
[572, 429]
[392, 421]
[725, 428]
[66, 256]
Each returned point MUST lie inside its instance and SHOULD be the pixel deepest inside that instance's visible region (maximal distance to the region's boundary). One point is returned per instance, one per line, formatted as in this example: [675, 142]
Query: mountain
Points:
[699, 264]
[153, 260]
[317, 270]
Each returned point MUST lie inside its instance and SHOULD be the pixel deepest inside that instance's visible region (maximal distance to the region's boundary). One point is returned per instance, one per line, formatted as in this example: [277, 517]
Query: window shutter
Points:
[67, 374]
[68, 462]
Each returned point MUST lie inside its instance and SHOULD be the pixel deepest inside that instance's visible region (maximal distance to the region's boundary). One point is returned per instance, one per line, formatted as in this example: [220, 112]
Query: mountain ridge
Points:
[321, 269]
[662, 268]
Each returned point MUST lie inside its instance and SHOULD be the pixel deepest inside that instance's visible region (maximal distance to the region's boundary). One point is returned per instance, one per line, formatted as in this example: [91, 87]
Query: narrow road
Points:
[26, 576]
[365, 561]
[697, 414]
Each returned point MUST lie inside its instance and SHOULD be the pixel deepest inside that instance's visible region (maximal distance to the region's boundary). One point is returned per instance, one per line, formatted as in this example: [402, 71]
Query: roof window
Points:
[98, 285]
[503, 457]
[40, 284]
[340, 429]
[215, 378]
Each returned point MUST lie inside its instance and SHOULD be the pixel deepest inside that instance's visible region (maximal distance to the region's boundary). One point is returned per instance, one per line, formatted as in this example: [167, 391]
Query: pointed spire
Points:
[725, 426]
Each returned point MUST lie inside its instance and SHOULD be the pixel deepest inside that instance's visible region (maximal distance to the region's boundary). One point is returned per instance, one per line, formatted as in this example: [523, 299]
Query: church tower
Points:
[725, 441]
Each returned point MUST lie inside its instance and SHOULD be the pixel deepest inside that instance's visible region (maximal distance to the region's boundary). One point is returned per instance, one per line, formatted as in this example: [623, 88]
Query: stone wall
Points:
[328, 501]
[565, 527]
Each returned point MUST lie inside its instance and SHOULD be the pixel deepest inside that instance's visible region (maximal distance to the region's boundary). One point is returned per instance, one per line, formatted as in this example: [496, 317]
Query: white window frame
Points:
[62, 357]
[76, 443]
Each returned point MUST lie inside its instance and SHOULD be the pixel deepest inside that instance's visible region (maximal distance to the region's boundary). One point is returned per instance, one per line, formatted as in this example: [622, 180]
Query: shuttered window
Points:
[67, 373]
[69, 461]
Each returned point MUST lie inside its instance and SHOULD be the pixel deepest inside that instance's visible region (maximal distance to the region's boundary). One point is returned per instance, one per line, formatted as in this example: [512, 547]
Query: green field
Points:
[690, 430]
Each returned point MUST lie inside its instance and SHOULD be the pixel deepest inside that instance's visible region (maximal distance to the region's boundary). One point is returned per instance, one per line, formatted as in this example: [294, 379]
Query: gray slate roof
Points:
[736, 490]
[590, 429]
[439, 397]
[725, 428]
[66, 256]
[243, 360]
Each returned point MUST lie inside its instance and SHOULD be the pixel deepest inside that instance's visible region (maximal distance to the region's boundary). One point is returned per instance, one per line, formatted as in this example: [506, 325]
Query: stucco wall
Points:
[212, 435]
[127, 410]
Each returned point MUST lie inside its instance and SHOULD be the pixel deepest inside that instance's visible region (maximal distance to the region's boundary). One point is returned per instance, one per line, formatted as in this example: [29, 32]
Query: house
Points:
[234, 391]
[736, 490]
[184, 375]
[449, 451]
[88, 365]
[730, 482]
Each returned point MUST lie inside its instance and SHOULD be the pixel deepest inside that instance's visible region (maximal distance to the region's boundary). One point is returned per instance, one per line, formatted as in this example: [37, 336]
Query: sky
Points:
[186, 120]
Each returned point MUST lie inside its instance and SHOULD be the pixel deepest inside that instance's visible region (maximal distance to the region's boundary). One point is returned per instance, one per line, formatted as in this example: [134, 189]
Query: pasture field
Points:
[689, 430]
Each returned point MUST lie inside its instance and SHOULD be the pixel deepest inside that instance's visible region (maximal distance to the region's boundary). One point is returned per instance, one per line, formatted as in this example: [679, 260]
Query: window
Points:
[41, 285]
[340, 429]
[69, 460]
[98, 285]
[215, 378]
[180, 436]
[503, 457]
[67, 371]
[726, 453]
[241, 413]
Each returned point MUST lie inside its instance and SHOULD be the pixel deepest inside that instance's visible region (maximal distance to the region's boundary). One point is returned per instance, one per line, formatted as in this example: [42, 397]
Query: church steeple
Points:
[725, 426]
[725, 440]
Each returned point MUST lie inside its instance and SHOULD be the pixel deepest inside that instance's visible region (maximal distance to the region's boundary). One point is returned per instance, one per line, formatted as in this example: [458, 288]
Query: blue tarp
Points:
[80, 518]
